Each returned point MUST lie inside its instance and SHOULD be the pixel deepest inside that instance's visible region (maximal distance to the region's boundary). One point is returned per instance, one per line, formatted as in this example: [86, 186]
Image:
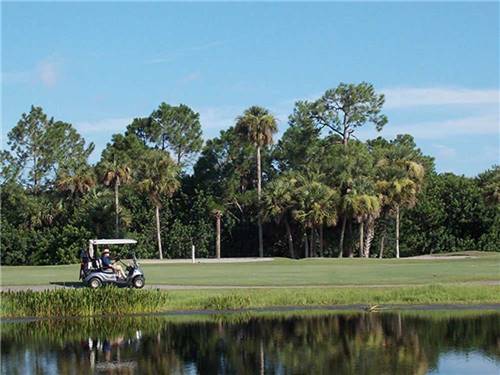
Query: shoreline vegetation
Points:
[64, 303]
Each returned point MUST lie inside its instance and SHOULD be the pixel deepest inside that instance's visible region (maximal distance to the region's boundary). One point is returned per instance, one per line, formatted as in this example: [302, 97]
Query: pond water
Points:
[257, 343]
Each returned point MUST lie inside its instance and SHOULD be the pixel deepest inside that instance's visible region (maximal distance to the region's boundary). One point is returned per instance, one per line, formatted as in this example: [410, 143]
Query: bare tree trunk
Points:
[361, 235]
[321, 244]
[117, 220]
[306, 244]
[35, 174]
[382, 243]
[370, 233]
[259, 193]
[158, 234]
[397, 231]
[217, 240]
[312, 247]
[342, 233]
[351, 250]
[290, 239]
[262, 363]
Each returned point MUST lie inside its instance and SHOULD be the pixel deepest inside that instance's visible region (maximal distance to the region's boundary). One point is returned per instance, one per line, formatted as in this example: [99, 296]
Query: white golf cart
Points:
[93, 274]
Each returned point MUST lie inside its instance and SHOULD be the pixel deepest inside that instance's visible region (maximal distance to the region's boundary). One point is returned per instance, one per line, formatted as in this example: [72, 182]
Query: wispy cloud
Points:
[487, 124]
[175, 54]
[104, 126]
[47, 72]
[435, 96]
[444, 151]
[216, 118]
[194, 76]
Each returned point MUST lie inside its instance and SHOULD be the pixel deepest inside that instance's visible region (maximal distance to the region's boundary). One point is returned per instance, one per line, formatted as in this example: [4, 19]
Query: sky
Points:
[98, 65]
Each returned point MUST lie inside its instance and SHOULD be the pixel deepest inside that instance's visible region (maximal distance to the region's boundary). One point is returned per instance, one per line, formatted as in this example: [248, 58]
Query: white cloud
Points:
[215, 119]
[172, 55]
[474, 125]
[16, 77]
[48, 72]
[218, 118]
[435, 96]
[194, 76]
[105, 126]
[444, 151]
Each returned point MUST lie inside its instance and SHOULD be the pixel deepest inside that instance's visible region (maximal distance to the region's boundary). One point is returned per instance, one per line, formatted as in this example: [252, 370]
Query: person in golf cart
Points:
[107, 263]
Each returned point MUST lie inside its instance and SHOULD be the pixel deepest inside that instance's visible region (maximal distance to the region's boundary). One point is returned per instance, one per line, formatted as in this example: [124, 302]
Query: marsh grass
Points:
[81, 302]
[116, 301]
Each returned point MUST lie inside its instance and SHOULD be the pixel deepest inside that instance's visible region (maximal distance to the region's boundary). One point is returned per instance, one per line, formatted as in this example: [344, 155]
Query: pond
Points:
[314, 342]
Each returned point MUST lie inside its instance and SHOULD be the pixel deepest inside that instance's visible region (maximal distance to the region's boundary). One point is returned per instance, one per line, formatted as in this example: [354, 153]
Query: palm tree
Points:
[257, 126]
[278, 203]
[217, 210]
[364, 208]
[77, 184]
[158, 177]
[345, 208]
[402, 192]
[218, 215]
[372, 212]
[316, 206]
[116, 175]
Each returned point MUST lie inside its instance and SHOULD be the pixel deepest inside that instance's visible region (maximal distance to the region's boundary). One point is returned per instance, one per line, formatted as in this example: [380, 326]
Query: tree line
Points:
[317, 191]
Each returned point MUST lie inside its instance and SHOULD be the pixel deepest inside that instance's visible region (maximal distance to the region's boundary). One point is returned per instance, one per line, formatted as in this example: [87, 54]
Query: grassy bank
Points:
[286, 272]
[86, 302]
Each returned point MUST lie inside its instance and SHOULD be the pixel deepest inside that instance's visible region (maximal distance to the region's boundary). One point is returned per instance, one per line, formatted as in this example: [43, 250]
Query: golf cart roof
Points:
[112, 242]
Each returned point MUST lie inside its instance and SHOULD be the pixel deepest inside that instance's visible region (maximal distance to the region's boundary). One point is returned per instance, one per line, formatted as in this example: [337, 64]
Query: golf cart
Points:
[94, 275]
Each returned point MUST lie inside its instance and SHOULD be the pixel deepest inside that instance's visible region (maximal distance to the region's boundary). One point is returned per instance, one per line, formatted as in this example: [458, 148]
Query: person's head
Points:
[105, 252]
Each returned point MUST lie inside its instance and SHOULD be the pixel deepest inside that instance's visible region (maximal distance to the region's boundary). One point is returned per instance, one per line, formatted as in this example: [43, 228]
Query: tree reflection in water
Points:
[316, 343]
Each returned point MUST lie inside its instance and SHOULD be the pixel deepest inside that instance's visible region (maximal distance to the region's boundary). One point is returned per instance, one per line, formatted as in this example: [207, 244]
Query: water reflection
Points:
[317, 343]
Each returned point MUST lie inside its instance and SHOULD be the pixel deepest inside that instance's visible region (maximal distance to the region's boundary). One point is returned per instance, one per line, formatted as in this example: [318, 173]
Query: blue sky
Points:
[98, 65]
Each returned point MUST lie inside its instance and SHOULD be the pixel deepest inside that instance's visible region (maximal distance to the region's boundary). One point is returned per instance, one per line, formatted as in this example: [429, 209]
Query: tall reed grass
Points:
[117, 301]
[81, 302]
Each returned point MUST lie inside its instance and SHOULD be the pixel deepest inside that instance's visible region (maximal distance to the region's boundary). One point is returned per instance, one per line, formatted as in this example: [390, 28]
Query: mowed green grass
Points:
[286, 272]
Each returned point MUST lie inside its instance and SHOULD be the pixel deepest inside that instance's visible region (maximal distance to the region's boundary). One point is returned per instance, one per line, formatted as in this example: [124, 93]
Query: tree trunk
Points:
[312, 247]
[158, 234]
[361, 235]
[351, 250]
[321, 244]
[259, 193]
[397, 231]
[345, 139]
[342, 233]
[370, 233]
[35, 174]
[117, 219]
[262, 361]
[290, 239]
[382, 243]
[306, 245]
[217, 241]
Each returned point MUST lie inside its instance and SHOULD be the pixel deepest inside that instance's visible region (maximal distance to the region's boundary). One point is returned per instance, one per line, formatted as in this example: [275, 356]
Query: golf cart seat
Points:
[97, 263]
[97, 266]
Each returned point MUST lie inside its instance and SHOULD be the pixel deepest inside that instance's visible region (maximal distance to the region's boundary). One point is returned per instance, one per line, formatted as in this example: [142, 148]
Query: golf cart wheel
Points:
[95, 283]
[138, 282]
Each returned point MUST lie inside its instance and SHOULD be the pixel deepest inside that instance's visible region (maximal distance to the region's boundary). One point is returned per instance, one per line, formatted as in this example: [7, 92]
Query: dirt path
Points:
[4, 288]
